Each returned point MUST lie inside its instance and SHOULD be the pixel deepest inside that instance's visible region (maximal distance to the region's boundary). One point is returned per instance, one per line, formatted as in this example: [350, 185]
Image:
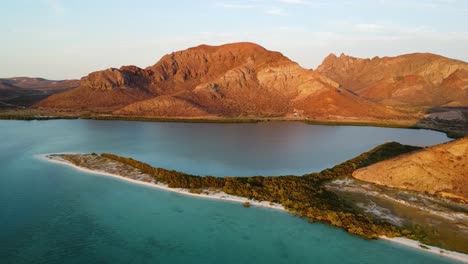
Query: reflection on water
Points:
[274, 148]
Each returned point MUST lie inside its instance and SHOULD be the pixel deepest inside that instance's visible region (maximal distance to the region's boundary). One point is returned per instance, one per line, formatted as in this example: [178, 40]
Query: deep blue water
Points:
[51, 213]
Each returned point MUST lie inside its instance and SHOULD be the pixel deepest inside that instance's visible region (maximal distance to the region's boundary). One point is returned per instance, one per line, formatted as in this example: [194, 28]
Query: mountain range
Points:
[247, 80]
[233, 80]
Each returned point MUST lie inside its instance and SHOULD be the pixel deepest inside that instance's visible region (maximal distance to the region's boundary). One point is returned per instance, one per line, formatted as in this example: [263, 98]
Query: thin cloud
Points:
[56, 6]
[262, 5]
[292, 1]
[233, 5]
[276, 12]
[292, 29]
[395, 31]
[369, 28]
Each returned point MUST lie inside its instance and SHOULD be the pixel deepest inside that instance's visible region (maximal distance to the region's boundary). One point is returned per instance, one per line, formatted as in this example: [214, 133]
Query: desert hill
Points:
[416, 80]
[440, 170]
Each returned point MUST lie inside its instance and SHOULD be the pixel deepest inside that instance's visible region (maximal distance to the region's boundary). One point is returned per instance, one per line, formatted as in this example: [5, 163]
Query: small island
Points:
[312, 196]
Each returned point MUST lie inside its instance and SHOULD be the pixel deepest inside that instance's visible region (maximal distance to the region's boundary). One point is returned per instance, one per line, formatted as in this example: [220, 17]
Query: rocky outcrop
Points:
[103, 91]
[455, 88]
[440, 170]
[126, 76]
[163, 106]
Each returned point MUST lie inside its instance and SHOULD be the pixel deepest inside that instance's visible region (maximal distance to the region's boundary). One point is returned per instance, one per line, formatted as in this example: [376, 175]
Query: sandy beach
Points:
[227, 197]
[435, 250]
[206, 194]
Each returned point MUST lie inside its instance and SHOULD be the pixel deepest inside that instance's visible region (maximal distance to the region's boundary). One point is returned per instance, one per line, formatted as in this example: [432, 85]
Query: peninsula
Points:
[309, 196]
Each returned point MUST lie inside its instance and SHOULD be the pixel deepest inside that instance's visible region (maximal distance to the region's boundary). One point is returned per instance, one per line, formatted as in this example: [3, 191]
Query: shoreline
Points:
[211, 195]
[221, 196]
[409, 123]
[359, 189]
[426, 248]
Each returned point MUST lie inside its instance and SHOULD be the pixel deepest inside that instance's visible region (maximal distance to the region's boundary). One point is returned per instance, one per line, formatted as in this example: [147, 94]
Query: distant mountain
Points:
[239, 79]
[439, 170]
[24, 91]
[415, 80]
[37, 83]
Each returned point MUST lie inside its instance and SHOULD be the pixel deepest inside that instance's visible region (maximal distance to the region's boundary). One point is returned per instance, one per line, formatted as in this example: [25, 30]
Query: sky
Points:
[67, 39]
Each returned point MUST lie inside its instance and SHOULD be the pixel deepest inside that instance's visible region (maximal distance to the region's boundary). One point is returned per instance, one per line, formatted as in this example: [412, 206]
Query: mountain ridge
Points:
[415, 79]
[238, 79]
[245, 80]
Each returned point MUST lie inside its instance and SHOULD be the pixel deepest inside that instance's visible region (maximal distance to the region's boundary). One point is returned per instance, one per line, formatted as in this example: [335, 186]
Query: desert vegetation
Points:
[304, 196]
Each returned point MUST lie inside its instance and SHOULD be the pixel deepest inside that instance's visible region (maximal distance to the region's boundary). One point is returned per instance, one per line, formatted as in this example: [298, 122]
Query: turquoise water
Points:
[50, 213]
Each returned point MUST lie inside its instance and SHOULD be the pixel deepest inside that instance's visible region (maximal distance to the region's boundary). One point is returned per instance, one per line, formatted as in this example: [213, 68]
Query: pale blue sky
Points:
[59, 39]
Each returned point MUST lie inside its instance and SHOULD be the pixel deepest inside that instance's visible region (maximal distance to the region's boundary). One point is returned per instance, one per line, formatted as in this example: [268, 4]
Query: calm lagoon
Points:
[54, 214]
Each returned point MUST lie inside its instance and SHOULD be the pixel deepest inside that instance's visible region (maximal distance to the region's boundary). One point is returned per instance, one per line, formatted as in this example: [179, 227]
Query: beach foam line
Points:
[431, 249]
[211, 195]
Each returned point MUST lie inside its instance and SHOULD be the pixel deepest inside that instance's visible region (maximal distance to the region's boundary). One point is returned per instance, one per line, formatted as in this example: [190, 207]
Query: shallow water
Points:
[54, 214]
[445, 222]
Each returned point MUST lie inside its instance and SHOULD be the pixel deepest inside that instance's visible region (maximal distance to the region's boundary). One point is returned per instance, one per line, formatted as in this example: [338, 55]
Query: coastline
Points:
[226, 197]
[434, 250]
[211, 195]
[409, 123]
[346, 186]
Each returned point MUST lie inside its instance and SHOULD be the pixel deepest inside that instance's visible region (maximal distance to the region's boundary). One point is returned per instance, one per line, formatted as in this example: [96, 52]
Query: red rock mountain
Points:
[419, 79]
[240, 79]
[103, 91]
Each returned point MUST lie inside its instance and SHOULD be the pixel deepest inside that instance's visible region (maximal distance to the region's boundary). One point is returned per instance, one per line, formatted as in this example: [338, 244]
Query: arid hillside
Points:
[233, 80]
[413, 80]
[440, 170]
